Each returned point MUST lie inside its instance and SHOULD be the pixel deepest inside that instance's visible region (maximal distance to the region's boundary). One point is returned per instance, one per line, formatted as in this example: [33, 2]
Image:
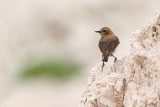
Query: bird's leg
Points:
[103, 66]
[103, 62]
[114, 58]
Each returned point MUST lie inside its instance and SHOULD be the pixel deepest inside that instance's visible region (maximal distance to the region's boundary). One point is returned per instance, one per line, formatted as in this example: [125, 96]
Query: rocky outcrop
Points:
[133, 81]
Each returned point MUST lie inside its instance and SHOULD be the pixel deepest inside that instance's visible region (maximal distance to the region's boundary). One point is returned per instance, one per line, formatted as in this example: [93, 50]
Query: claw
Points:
[115, 59]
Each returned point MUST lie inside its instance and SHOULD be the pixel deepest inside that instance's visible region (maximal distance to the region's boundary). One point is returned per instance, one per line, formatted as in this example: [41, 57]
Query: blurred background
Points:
[48, 47]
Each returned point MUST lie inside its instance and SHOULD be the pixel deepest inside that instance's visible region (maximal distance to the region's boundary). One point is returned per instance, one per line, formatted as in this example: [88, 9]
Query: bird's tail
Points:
[105, 59]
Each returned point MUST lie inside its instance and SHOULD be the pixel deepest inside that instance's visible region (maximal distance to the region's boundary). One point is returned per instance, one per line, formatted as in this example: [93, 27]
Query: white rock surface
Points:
[133, 81]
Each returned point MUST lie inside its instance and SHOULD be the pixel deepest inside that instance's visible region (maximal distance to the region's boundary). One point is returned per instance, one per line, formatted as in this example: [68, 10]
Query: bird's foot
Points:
[115, 59]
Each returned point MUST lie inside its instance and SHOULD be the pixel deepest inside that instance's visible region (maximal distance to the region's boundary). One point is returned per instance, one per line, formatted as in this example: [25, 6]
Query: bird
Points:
[107, 44]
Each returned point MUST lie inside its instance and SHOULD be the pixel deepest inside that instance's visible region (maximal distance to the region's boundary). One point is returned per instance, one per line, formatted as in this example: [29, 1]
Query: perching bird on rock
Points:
[107, 43]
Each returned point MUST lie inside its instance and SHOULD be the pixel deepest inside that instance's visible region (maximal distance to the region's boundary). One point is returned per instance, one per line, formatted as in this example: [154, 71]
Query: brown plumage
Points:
[107, 43]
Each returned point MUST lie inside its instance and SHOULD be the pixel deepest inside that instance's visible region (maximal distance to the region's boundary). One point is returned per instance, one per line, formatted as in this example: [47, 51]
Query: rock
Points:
[133, 81]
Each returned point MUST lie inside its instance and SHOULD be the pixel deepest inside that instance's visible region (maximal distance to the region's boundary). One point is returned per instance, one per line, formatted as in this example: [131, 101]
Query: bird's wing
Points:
[108, 46]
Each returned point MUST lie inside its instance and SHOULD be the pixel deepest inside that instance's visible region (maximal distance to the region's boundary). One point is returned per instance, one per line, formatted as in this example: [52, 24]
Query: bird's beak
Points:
[98, 31]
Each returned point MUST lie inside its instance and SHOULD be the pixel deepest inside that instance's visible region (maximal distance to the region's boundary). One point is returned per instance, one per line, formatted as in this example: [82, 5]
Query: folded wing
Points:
[108, 46]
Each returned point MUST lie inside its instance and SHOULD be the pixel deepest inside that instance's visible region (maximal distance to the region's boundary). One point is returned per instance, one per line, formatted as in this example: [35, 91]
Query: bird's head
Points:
[105, 31]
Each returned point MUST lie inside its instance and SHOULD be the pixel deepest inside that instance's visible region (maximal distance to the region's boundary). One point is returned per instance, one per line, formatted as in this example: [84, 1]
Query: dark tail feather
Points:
[105, 59]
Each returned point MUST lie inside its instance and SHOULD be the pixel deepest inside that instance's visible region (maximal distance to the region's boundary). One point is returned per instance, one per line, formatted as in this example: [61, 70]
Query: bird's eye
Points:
[104, 30]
